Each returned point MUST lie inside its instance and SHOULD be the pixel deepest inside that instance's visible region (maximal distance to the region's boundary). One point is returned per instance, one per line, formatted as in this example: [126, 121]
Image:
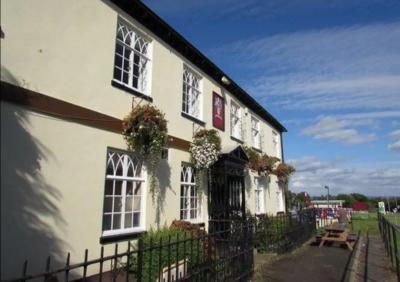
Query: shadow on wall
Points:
[164, 183]
[29, 211]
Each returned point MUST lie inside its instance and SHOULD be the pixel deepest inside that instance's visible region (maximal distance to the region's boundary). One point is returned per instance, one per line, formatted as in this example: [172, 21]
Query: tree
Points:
[349, 200]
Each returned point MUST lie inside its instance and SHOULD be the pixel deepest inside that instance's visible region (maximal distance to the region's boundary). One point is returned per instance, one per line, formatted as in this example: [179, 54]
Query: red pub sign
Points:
[218, 111]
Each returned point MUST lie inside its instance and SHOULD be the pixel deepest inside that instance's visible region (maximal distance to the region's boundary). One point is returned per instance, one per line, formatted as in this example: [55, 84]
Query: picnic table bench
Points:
[338, 233]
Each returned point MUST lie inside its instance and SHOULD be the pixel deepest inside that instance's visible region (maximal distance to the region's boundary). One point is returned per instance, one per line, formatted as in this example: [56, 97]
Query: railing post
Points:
[140, 260]
[396, 252]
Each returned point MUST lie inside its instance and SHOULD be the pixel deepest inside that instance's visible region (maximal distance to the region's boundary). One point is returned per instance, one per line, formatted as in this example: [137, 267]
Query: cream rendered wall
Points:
[65, 49]
[52, 189]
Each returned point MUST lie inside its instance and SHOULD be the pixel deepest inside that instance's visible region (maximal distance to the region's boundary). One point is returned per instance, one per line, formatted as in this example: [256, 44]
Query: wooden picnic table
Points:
[336, 233]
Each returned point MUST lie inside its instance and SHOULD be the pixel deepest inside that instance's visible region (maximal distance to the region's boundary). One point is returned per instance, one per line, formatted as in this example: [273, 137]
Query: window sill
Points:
[237, 140]
[131, 91]
[192, 118]
[257, 149]
[195, 222]
[105, 239]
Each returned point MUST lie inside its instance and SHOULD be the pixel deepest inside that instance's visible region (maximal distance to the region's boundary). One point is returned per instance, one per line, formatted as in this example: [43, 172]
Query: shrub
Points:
[168, 245]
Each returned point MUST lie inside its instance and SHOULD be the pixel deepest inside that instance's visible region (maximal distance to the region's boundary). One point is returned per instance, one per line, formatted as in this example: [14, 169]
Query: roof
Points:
[144, 15]
[326, 202]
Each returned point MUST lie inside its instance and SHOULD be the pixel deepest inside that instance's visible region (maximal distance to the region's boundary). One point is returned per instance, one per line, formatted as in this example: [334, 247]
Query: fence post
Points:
[396, 252]
[140, 259]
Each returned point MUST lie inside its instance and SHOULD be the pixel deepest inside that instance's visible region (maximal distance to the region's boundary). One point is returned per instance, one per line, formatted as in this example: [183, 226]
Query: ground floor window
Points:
[190, 203]
[259, 195]
[123, 193]
[279, 199]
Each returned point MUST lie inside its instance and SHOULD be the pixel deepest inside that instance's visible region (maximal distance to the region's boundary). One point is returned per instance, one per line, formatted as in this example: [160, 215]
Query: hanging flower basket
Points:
[145, 132]
[283, 172]
[263, 164]
[205, 148]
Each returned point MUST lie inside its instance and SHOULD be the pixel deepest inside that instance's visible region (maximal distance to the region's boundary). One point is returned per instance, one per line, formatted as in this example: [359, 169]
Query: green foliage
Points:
[270, 234]
[262, 163]
[211, 135]
[364, 222]
[145, 132]
[181, 247]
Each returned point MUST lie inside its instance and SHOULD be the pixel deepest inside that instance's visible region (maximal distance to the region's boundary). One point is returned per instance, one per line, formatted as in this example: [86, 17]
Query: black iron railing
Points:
[223, 255]
[283, 233]
[391, 237]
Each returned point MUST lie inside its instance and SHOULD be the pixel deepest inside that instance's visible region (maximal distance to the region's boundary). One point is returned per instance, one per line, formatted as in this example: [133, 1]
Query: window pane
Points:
[118, 187]
[184, 214]
[128, 204]
[109, 187]
[107, 222]
[117, 75]
[116, 221]
[136, 203]
[117, 204]
[129, 187]
[125, 77]
[138, 189]
[128, 220]
[192, 214]
[118, 49]
[136, 219]
[108, 204]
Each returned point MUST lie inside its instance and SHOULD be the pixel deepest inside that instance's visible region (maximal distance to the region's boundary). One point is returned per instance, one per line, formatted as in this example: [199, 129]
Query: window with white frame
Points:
[132, 58]
[192, 100]
[190, 204]
[123, 195]
[275, 143]
[255, 133]
[259, 195]
[236, 123]
[279, 199]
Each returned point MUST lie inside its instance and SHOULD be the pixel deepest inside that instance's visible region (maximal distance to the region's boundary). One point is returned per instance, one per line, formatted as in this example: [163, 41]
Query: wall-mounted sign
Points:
[218, 111]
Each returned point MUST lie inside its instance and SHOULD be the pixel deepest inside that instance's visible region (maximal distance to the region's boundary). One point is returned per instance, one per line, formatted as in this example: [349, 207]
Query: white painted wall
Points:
[53, 171]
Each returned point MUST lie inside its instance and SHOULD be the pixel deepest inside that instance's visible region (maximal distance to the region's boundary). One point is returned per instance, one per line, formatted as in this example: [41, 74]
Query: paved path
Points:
[330, 263]
[307, 264]
[373, 264]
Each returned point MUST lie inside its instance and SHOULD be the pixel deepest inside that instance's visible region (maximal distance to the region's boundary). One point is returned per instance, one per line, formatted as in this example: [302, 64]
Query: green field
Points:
[394, 218]
[363, 222]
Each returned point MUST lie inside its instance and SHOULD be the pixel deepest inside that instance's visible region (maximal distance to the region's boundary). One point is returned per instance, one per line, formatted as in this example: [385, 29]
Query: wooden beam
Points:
[64, 110]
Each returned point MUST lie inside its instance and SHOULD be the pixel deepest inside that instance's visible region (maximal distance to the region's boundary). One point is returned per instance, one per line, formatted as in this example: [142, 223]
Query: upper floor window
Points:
[123, 195]
[236, 123]
[132, 60]
[275, 143]
[255, 133]
[190, 202]
[191, 103]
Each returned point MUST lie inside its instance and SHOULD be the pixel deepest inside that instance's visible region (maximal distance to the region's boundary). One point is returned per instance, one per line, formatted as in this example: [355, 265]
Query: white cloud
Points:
[377, 179]
[356, 67]
[395, 146]
[334, 129]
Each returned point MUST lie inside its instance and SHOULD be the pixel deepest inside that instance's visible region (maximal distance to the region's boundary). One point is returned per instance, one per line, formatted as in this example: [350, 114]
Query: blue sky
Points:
[328, 70]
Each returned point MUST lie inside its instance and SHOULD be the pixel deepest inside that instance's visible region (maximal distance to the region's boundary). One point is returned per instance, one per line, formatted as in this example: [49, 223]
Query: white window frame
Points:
[189, 193]
[191, 88]
[259, 196]
[236, 121]
[280, 202]
[143, 52]
[255, 133]
[275, 143]
[127, 162]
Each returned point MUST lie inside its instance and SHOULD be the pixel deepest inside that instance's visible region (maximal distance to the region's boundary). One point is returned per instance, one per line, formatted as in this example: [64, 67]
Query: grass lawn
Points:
[364, 222]
[394, 218]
